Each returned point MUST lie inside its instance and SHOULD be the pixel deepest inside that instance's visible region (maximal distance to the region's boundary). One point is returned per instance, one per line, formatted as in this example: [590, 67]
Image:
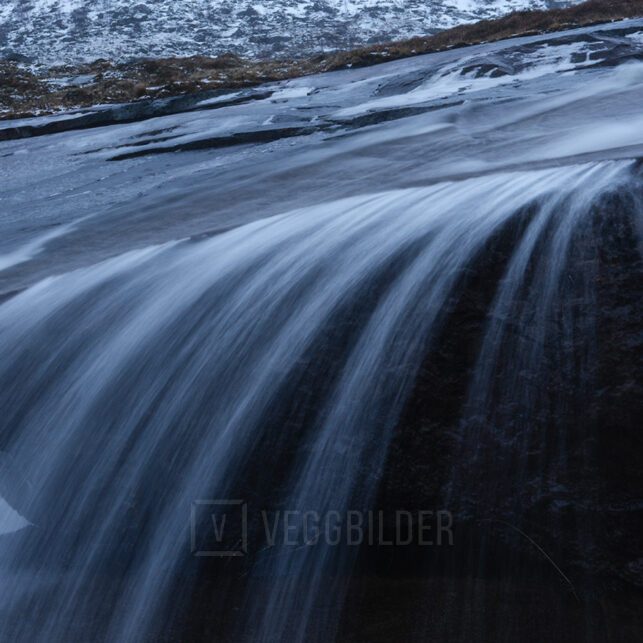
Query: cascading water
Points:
[528, 425]
[134, 387]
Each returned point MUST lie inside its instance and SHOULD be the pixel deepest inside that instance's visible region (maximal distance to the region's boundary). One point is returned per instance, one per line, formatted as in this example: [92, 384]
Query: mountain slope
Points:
[69, 31]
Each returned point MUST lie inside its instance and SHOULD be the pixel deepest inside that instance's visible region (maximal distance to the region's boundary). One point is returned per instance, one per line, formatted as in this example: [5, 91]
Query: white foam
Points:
[10, 520]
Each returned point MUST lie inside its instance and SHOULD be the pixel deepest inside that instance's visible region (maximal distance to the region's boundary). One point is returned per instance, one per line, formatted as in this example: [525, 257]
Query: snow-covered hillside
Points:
[56, 31]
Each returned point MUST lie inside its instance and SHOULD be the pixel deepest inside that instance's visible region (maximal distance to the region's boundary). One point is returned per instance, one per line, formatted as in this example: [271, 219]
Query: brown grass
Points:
[519, 23]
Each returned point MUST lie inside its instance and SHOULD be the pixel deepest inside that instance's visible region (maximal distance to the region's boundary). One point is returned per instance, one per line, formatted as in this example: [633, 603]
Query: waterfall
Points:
[136, 386]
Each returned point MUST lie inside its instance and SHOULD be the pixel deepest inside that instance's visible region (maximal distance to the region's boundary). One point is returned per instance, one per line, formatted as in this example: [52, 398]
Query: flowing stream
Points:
[136, 386]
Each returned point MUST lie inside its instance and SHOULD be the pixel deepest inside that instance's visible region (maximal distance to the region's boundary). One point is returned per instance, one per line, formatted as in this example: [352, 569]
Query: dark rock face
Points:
[619, 393]
[547, 524]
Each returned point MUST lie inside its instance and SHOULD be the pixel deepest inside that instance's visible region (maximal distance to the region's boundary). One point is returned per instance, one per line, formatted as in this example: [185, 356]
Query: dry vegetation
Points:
[24, 93]
[520, 23]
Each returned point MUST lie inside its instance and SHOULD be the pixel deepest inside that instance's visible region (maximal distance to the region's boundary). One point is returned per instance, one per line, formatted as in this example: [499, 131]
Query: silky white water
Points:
[133, 387]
